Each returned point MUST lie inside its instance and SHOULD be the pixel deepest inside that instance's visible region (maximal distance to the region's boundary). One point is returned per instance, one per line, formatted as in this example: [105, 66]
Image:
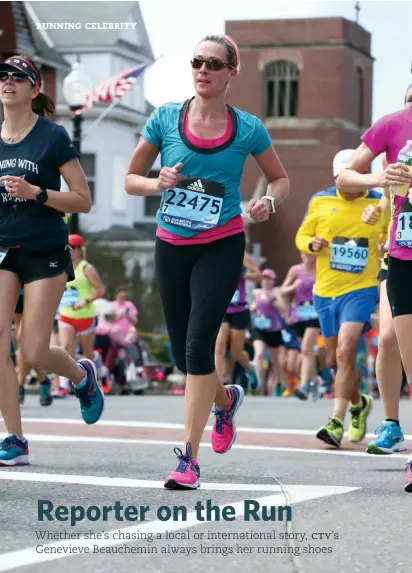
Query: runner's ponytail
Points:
[43, 105]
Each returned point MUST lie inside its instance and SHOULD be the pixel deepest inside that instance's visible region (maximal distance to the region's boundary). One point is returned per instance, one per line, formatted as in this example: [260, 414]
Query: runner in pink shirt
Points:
[391, 134]
[127, 313]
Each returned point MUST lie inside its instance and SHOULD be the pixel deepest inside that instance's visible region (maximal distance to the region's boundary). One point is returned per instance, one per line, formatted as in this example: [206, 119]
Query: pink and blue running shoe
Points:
[187, 473]
[224, 428]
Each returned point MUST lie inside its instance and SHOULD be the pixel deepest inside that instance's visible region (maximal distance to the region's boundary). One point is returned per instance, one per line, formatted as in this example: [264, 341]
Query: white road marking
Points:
[27, 557]
[169, 426]
[151, 484]
[143, 442]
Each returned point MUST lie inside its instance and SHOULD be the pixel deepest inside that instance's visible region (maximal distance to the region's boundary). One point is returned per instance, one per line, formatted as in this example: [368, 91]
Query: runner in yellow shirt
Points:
[345, 291]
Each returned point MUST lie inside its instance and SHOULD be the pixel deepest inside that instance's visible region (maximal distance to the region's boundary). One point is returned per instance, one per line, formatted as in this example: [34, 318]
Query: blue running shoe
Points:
[90, 395]
[45, 396]
[14, 452]
[253, 379]
[389, 439]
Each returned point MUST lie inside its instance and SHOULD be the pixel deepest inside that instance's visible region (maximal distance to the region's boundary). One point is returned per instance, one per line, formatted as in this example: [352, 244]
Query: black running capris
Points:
[196, 284]
[398, 286]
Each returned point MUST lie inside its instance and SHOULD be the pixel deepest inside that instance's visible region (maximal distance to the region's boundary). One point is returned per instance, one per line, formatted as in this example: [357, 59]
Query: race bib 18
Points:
[349, 255]
[195, 204]
[404, 226]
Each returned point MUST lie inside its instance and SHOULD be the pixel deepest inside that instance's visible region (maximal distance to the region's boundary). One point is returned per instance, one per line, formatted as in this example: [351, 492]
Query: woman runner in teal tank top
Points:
[203, 145]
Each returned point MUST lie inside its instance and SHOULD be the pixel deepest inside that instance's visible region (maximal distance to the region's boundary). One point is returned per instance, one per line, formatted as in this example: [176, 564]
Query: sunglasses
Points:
[15, 76]
[212, 64]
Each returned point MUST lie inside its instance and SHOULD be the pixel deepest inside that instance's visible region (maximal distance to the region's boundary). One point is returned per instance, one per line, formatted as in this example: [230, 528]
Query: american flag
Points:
[113, 88]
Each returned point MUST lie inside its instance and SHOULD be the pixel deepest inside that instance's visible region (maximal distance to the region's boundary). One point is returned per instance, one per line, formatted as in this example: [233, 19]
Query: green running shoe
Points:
[357, 426]
[332, 433]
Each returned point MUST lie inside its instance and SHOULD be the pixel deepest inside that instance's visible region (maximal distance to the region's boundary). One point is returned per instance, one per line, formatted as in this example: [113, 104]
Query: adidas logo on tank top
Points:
[196, 186]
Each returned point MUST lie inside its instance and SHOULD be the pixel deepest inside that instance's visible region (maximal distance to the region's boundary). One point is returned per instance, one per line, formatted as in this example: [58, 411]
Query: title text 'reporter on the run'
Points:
[205, 511]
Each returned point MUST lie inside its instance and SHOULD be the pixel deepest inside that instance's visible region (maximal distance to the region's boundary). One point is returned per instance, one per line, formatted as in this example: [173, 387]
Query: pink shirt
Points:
[123, 323]
[233, 226]
[389, 135]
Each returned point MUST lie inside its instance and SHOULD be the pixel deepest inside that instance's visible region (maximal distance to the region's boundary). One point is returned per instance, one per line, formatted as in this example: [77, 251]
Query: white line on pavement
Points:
[27, 557]
[103, 481]
[169, 426]
[143, 442]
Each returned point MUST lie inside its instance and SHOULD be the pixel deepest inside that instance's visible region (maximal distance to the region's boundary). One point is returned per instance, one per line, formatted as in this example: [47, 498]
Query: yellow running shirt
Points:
[351, 261]
[79, 289]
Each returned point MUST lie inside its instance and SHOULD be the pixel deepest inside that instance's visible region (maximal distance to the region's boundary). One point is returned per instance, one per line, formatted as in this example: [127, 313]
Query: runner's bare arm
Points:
[137, 182]
[99, 289]
[252, 273]
[291, 281]
[384, 203]
[275, 175]
[355, 177]
[281, 303]
[253, 303]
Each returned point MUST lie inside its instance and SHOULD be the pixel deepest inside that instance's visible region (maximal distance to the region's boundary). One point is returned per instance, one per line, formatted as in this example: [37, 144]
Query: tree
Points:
[111, 265]
[152, 319]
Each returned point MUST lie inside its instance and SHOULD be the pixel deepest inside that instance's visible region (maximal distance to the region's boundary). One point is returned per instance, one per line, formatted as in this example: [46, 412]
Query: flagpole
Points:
[109, 109]
[101, 116]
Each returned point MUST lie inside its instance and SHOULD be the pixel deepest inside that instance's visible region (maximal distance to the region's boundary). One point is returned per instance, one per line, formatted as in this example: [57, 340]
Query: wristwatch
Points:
[42, 196]
[272, 201]
[310, 247]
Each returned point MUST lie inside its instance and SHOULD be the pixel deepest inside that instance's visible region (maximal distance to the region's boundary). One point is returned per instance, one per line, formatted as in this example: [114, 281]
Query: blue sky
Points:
[175, 27]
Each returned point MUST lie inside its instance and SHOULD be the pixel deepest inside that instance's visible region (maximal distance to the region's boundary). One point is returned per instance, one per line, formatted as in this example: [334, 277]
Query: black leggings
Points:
[196, 284]
[398, 286]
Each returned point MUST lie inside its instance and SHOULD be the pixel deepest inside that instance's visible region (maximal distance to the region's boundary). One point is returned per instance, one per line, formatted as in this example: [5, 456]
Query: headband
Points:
[235, 47]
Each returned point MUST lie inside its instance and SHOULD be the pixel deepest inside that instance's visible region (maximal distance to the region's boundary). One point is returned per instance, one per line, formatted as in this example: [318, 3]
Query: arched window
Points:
[359, 93]
[281, 89]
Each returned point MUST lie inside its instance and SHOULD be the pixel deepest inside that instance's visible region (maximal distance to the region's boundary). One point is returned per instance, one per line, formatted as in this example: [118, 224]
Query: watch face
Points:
[42, 196]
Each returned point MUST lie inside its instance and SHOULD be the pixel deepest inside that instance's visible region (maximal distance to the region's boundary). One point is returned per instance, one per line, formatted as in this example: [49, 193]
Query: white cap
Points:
[104, 307]
[340, 160]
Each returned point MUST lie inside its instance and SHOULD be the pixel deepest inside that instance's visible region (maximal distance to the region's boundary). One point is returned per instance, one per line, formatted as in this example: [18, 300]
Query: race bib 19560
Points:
[195, 204]
[349, 255]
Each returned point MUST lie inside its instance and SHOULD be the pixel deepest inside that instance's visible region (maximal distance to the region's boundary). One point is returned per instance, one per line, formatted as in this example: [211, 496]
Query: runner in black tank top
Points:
[34, 154]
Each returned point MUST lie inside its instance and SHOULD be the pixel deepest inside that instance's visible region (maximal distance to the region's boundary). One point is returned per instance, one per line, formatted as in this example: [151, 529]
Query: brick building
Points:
[310, 81]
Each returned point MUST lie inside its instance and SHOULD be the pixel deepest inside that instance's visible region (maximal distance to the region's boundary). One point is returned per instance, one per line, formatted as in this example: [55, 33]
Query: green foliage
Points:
[110, 263]
[158, 349]
[151, 320]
